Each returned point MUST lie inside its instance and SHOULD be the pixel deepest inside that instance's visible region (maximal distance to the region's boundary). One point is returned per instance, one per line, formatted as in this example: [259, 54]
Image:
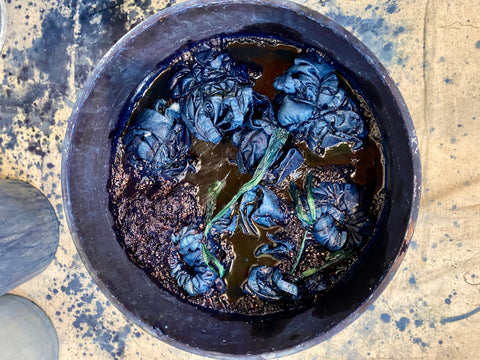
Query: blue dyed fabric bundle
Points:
[252, 138]
[315, 108]
[251, 144]
[285, 165]
[267, 283]
[214, 94]
[157, 142]
[279, 251]
[227, 223]
[262, 207]
[188, 266]
[338, 215]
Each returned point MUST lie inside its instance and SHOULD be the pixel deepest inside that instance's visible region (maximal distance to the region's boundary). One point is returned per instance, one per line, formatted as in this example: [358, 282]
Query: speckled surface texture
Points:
[431, 309]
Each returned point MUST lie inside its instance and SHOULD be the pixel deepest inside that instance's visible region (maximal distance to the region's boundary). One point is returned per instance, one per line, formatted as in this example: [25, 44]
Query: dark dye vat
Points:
[99, 117]
[149, 210]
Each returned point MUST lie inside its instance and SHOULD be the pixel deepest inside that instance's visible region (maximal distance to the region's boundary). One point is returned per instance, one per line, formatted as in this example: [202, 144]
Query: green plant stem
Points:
[213, 192]
[335, 258]
[277, 140]
[300, 252]
[208, 257]
[310, 199]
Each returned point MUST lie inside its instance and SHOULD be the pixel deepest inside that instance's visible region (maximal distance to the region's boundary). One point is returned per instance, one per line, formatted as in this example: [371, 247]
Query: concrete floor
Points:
[431, 309]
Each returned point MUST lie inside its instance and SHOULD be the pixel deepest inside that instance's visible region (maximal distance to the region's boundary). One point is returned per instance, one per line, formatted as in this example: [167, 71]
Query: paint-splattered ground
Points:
[431, 309]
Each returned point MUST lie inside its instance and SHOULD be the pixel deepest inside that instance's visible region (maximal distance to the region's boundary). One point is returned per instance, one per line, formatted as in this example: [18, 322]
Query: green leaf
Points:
[212, 195]
[300, 252]
[209, 258]
[310, 272]
[277, 140]
[310, 199]
[331, 259]
[299, 210]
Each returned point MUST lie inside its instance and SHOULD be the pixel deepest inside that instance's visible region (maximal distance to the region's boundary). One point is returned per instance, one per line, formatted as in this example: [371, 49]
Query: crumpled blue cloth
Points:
[284, 166]
[188, 266]
[315, 283]
[227, 223]
[157, 142]
[340, 216]
[262, 207]
[214, 94]
[252, 138]
[267, 283]
[279, 251]
[315, 108]
[251, 145]
[270, 211]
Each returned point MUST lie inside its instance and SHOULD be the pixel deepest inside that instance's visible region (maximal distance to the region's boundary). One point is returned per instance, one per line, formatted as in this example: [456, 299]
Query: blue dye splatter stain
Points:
[418, 323]
[385, 317]
[419, 341]
[91, 325]
[399, 30]
[413, 245]
[448, 81]
[88, 316]
[402, 323]
[373, 29]
[391, 6]
[39, 100]
[412, 281]
[87, 298]
[477, 44]
[73, 287]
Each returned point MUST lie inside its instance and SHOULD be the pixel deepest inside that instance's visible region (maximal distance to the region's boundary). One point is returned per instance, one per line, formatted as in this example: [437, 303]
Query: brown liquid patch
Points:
[366, 161]
[368, 166]
[274, 60]
[244, 247]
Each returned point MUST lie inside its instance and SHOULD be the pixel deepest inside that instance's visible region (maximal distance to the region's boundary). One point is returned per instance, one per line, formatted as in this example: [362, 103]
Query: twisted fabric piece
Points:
[338, 215]
[267, 283]
[315, 108]
[188, 266]
[214, 95]
[262, 207]
[279, 251]
[157, 142]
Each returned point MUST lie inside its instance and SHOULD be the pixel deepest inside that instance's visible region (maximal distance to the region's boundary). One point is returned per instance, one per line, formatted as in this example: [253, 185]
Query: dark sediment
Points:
[147, 212]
